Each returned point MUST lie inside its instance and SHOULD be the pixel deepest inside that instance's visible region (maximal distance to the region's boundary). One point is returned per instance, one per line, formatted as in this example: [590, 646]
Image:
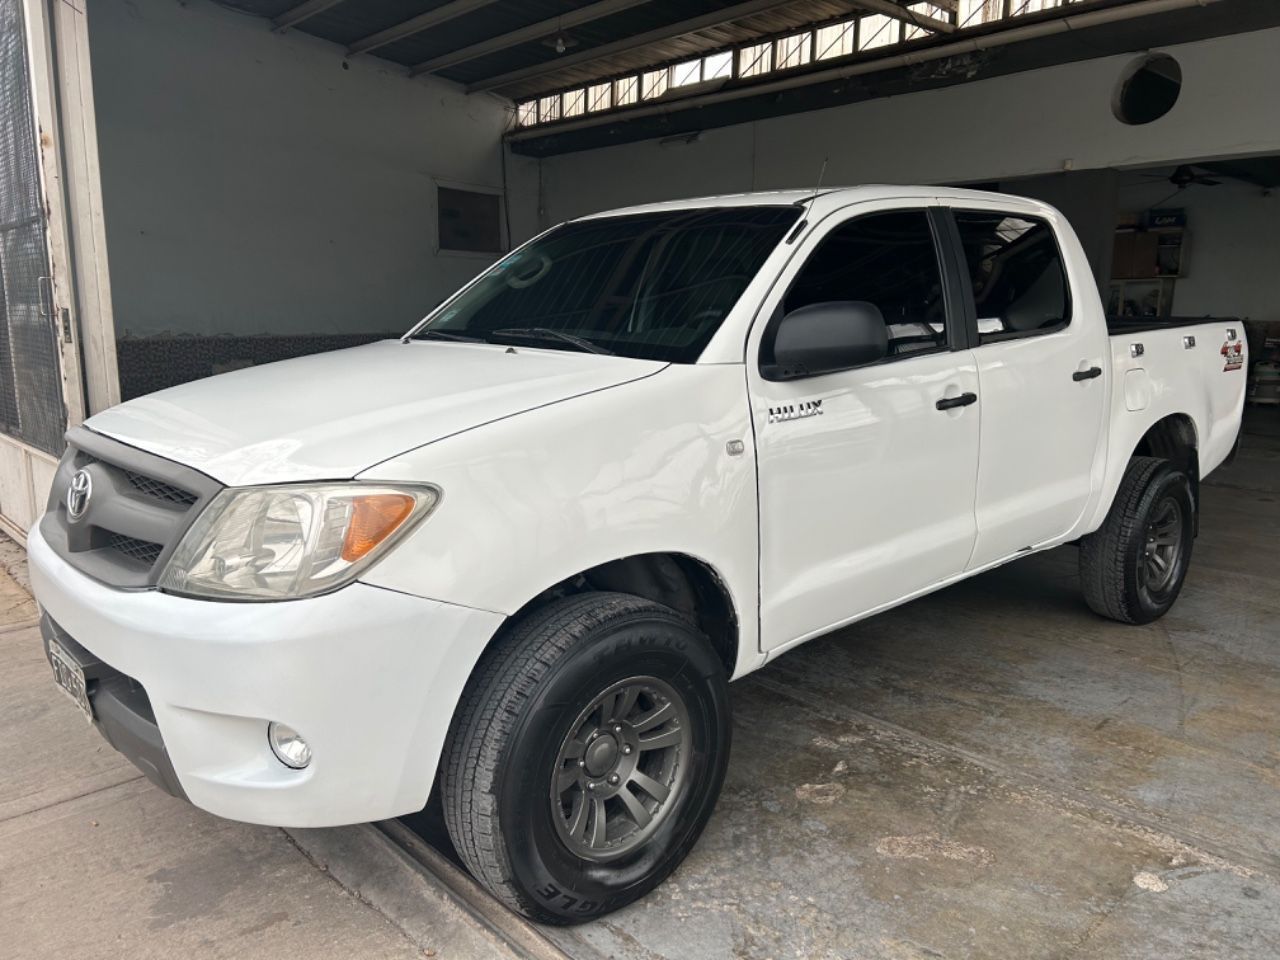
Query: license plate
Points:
[68, 675]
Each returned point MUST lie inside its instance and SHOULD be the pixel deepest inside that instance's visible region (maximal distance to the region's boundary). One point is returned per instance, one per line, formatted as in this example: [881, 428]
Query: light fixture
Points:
[560, 42]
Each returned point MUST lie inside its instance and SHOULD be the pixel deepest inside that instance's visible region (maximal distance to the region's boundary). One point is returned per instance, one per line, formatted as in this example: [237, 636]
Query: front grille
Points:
[145, 485]
[159, 490]
[144, 551]
[135, 508]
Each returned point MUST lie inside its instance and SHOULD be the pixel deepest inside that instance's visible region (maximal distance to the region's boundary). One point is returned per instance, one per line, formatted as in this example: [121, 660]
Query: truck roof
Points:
[826, 197]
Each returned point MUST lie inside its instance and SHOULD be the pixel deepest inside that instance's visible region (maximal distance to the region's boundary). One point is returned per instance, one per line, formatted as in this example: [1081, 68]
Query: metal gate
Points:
[31, 403]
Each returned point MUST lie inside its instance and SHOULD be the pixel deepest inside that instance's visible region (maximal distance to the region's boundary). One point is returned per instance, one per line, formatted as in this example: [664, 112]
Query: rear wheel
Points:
[1132, 568]
[587, 755]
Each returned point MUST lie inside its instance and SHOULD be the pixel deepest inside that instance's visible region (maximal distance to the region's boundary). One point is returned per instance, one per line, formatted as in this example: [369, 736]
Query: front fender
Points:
[538, 497]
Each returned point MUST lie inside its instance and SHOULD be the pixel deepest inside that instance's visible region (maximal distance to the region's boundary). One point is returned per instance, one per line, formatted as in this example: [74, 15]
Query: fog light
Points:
[288, 746]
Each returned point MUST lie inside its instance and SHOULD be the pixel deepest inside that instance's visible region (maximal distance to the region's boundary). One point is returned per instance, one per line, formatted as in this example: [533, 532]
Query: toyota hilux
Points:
[520, 552]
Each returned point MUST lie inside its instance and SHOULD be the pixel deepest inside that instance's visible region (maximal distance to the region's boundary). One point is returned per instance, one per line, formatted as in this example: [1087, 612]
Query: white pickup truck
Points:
[521, 551]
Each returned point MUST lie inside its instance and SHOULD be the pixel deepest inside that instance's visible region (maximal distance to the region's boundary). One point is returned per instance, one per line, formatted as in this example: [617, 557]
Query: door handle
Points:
[950, 403]
[1089, 374]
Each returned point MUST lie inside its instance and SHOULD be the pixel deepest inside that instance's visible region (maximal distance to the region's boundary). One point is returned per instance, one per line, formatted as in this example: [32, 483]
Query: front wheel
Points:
[1133, 566]
[587, 755]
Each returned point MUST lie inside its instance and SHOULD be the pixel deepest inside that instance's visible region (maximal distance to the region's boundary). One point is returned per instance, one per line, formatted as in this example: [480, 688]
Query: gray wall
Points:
[252, 185]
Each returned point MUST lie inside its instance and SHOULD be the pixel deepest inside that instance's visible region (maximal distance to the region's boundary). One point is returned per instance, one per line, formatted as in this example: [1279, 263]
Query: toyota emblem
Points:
[78, 494]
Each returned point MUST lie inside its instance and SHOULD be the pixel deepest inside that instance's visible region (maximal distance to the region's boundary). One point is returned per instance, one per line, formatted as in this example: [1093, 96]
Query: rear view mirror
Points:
[827, 337]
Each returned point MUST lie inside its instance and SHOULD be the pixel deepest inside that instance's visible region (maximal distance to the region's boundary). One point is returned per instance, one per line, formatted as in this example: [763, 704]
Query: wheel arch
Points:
[687, 584]
[1174, 438]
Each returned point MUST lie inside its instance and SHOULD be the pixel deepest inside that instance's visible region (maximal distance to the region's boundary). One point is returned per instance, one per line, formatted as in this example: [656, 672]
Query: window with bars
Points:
[684, 74]
[836, 40]
[600, 96]
[794, 51]
[877, 31]
[975, 12]
[843, 38]
[755, 60]
[654, 83]
[626, 91]
[718, 66]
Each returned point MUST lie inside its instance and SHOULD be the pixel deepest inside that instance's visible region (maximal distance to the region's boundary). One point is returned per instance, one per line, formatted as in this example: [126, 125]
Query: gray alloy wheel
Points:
[1158, 562]
[621, 768]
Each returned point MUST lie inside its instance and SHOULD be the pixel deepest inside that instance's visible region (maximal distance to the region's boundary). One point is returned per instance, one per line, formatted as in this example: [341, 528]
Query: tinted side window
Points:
[1015, 268]
[890, 260]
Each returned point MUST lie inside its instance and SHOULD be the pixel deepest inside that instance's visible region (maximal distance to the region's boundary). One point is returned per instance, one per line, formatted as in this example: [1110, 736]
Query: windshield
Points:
[652, 286]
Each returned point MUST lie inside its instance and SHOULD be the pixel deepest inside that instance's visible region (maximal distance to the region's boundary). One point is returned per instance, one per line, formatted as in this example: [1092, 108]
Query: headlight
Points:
[278, 543]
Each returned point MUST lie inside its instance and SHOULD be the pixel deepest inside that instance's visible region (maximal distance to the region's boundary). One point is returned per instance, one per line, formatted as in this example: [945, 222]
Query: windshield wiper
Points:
[546, 333]
[430, 334]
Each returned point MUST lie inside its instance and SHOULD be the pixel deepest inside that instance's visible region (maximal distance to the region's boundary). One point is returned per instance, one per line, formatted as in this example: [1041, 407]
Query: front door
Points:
[866, 484]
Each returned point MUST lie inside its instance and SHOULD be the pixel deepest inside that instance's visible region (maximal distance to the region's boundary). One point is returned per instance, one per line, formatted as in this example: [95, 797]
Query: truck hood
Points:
[332, 415]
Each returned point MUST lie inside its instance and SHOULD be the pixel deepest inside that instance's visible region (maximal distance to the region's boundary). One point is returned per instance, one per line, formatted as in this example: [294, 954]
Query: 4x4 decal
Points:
[1232, 354]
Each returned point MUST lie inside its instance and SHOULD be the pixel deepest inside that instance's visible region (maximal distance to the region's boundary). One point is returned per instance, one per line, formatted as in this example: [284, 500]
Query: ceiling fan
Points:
[1186, 175]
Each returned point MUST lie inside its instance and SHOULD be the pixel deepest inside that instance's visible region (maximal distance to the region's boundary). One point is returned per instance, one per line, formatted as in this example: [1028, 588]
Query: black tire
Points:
[1120, 569]
[523, 709]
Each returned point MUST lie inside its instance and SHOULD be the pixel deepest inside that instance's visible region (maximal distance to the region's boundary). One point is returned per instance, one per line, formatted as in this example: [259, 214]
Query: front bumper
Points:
[121, 711]
[369, 676]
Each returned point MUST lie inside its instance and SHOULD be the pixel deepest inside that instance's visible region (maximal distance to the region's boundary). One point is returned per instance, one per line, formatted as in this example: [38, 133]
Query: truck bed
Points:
[1177, 366]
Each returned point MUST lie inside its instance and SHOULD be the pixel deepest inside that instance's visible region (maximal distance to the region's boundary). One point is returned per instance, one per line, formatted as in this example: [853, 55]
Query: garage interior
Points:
[991, 771]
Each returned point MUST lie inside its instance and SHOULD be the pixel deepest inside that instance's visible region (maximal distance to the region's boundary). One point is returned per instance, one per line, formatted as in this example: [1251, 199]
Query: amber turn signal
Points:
[374, 517]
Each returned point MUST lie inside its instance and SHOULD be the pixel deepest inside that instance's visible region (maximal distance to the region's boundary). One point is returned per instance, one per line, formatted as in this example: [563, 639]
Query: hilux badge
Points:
[795, 411]
[78, 494]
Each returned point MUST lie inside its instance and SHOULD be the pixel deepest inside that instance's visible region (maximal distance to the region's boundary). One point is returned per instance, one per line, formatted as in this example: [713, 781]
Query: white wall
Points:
[1016, 126]
[251, 184]
[1233, 245]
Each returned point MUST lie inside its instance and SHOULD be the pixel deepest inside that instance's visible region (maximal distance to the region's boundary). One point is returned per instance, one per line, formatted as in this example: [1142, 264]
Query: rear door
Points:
[866, 486]
[1042, 361]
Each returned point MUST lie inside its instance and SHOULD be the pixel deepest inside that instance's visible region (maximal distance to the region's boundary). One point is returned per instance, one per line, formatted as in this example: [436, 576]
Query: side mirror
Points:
[827, 337]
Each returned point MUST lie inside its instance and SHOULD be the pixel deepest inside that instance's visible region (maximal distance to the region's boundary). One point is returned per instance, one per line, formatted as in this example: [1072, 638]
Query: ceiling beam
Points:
[900, 12]
[627, 44]
[303, 11]
[534, 31]
[424, 21]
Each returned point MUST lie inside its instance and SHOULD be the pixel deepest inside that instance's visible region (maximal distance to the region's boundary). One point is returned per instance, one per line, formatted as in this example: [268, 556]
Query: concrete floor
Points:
[990, 772]
[97, 863]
